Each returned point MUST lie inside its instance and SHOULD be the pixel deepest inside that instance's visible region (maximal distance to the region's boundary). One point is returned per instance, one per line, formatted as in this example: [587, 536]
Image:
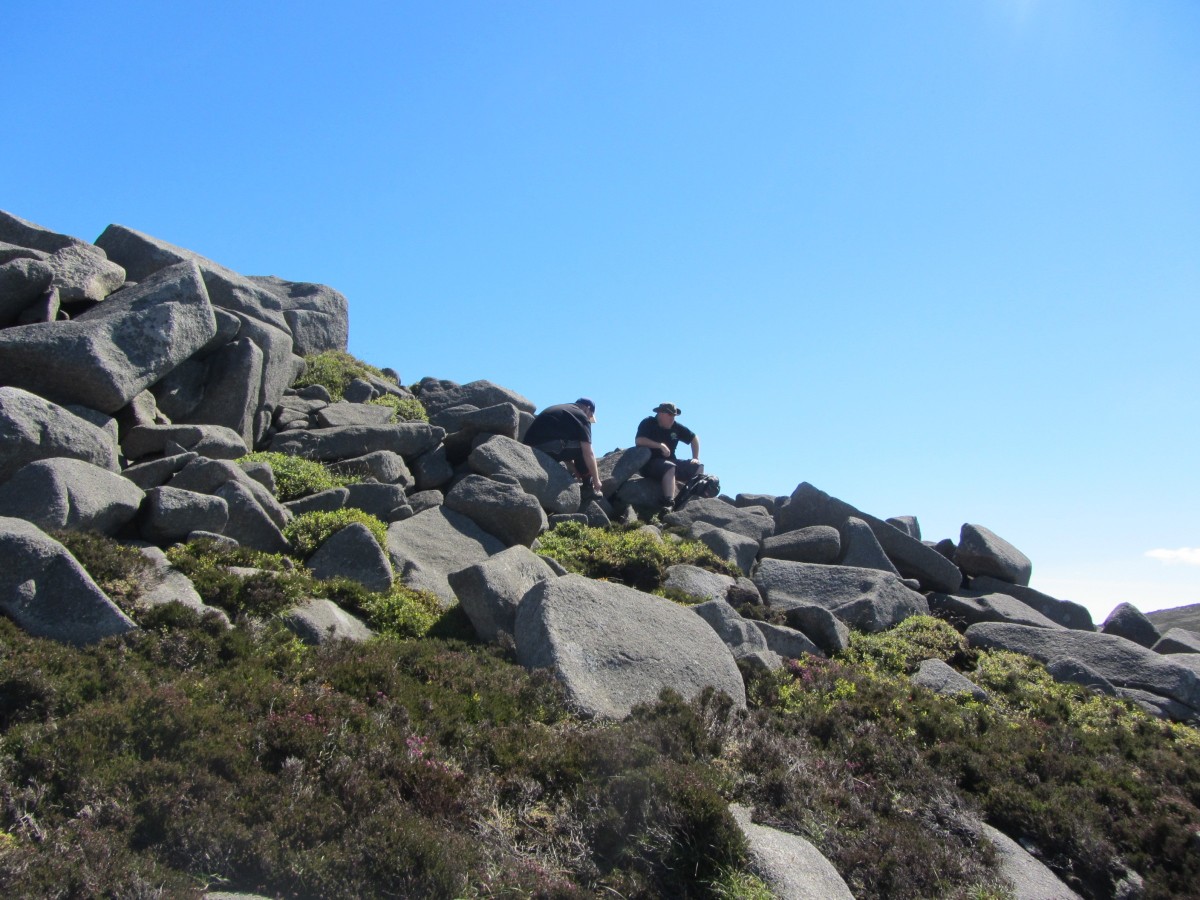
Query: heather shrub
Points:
[630, 556]
[118, 570]
[901, 649]
[402, 612]
[307, 532]
[297, 477]
[271, 588]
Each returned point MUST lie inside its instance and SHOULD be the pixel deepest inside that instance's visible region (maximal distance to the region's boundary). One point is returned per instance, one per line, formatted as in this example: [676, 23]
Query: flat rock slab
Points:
[47, 592]
[724, 515]
[409, 439]
[32, 428]
[117, 349]
[810, 506]
[941, 678]
[72, 494]
[1031, 879]
[863, 598]
[1123, 663]
[427, 547]
[815, 544]
[438, 395]
[738, 549]
[1064, 612]
[614, 647]
[963, 611]
[792, 867]
[697, 582]
[321, 621]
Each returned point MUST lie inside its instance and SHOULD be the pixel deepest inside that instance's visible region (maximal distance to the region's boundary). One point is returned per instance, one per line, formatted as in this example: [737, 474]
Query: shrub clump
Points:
[334, 370]
[297, 477]
[120, 571]
[271, 587]
[404, 409]
[309, 531]
[900, 650]
[631, 556]
[402, 612]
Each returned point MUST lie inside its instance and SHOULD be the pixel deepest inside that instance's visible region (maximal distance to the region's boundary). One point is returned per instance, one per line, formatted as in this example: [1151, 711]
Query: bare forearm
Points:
[589, 460]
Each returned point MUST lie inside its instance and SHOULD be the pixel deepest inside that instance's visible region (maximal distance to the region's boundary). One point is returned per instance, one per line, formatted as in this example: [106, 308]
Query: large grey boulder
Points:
[816, 622]
[503, 419]
[619, 466]
[1031, 879]
[717, 512]
[789, 643]
[117, 349]
[814, 544]
[437, 395]
[641, 494]
[735, 548]
[962, 611]
[860, 547]
[22, 283]
[792, 868]
[82, 272]
[489, 592]
[982, 552]
[614, 647]
[206, 476]
[171, 514]
[380, 500]
[225, 391]
[1178, 641]
[210, 441]
[143, 256]
[72, 494]
[1064, 612]
[432, 469]
[157, 472]
[32, 428]
[738, 634]
[427, 547]
[409, 439]
[352, 552]
[908, 524]
[318, 621]
[766, 501]
[1129, 622]
[23, 233]
[249, 522]
[1128, 666]
[47, 593]
[499, 508]
[322, 501]
[9, 252]
[935, 675]
[696, 582]
[810, 506]
[864, 598]
[317, 315]
[540, 475]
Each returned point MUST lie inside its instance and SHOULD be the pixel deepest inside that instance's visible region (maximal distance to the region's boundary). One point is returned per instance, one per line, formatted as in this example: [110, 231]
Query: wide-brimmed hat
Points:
[669, 408]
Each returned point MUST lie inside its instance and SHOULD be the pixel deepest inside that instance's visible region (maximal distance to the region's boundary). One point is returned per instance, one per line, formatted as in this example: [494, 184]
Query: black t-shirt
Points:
[564, 422]
[649, 428]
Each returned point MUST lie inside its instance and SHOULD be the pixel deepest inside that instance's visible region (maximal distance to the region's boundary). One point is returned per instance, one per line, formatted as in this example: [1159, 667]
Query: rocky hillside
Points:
[208, 431]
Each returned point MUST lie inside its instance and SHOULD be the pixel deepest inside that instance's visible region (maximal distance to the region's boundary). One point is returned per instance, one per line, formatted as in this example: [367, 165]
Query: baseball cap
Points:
[589, 405]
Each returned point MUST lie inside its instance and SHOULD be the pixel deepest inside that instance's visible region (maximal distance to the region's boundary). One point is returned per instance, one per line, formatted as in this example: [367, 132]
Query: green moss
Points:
[334, 370]
[309, 531]
[632, 556]
[296, 477]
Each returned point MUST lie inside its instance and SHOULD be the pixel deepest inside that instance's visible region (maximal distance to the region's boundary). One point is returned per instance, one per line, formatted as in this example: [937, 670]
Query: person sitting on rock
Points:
[661, 434]
[564, 432]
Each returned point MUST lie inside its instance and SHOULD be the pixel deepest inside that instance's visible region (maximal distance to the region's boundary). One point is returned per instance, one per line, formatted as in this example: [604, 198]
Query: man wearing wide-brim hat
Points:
[661, 434]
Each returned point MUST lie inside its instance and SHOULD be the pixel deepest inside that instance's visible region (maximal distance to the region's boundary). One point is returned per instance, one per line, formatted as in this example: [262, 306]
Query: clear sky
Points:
[938, 258]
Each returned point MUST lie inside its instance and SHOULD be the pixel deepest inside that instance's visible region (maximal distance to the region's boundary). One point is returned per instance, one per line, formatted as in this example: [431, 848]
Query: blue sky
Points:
[938, 258]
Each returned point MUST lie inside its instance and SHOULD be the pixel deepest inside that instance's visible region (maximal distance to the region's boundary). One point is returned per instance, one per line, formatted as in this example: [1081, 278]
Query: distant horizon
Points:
[935, 259]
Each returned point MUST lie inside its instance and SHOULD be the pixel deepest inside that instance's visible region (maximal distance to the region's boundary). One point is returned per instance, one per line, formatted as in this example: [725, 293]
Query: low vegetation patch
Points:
[297, 477]
[404, 409]
[334, 370]
[628, 555]
[307, 532]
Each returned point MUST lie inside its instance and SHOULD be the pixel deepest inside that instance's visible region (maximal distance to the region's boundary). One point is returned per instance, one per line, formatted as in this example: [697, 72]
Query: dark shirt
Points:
[649, 428]
[564, 422]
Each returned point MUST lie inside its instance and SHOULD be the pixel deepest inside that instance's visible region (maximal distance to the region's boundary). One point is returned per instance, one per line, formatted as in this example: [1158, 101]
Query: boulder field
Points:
[136, 376]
